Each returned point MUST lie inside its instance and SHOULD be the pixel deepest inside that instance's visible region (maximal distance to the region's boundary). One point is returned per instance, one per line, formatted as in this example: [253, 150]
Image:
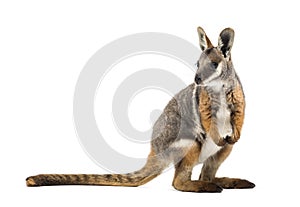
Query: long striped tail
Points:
[151, 170]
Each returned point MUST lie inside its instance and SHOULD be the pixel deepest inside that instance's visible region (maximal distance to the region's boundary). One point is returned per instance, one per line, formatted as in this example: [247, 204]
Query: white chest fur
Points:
[223, 113]
[208, 149]
[223, 118]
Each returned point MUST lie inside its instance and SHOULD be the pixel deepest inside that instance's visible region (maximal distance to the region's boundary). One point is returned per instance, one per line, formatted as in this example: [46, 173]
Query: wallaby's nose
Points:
[197, 79]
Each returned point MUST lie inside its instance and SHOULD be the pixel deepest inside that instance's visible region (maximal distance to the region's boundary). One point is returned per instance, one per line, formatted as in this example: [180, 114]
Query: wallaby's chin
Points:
[200, 84]
[216, 83]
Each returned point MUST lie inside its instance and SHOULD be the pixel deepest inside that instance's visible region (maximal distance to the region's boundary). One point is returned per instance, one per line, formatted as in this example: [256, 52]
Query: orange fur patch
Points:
[205, 109]
[237, 100]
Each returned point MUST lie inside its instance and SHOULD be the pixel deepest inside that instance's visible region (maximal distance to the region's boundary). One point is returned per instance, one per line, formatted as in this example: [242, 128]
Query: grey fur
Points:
[178, 121]
[181, 117]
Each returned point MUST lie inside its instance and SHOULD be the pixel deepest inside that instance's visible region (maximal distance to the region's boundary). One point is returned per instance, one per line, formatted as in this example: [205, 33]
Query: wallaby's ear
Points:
[203, 39]
[225, 41]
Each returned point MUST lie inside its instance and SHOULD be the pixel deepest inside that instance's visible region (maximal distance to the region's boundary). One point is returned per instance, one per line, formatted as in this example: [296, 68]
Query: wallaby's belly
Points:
[208, 149]
[224, 126]
[223, 122]
[223, 118]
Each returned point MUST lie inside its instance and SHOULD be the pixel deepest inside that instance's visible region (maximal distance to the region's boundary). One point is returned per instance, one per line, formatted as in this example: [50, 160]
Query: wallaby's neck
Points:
[218, 89]
[225, 83]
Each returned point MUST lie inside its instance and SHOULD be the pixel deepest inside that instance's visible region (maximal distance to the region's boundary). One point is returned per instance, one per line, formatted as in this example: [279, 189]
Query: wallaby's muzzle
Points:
[198, 79]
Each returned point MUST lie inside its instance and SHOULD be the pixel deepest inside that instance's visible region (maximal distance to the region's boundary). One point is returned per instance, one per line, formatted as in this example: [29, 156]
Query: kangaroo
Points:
[200, 124]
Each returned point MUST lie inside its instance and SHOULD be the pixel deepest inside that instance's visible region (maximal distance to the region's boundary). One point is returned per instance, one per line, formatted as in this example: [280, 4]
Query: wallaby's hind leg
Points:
[183, 171]
[211, 166]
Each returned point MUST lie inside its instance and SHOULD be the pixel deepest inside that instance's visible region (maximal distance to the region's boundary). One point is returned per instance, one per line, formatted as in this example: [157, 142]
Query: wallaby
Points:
[199, 125]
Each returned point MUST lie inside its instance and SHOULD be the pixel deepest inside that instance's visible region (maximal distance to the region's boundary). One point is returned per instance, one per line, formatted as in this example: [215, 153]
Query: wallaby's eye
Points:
[197, 64]
[214, 65]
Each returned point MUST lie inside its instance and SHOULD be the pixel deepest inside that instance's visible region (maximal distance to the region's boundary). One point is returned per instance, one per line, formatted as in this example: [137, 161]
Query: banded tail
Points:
[152, 169]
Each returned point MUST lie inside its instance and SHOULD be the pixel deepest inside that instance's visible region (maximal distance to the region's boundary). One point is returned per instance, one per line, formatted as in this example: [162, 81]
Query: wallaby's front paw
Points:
[230, 140]
[215, 136]
[234, 137]
[222, 142]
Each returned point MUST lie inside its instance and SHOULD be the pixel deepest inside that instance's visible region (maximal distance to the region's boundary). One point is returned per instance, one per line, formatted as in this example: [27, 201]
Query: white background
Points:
[44, 46]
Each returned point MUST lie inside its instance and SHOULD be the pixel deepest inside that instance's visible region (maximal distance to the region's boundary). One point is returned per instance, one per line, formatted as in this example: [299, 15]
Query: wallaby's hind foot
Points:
[197, 187]
[233, 183]
[183, 171]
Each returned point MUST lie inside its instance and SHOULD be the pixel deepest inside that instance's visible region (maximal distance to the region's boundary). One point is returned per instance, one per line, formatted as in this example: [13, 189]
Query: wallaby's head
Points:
[214, 64]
